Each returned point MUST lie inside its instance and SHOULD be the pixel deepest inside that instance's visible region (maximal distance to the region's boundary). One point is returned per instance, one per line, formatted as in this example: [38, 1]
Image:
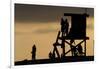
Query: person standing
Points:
[66, 27]
[33, 52]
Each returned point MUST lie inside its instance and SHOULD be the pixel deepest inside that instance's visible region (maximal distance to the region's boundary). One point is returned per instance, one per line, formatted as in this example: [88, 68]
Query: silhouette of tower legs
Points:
[55, 51]
[63, 45]
[75, 47]
[85, 48]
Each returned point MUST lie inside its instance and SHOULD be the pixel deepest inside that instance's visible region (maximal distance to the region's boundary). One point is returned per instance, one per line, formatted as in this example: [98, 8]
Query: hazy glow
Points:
[39, 25]
[43, 35]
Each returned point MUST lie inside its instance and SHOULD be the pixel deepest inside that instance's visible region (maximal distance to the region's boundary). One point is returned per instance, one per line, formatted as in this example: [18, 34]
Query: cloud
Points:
[43, 14]
[37, 31]
[46, 30]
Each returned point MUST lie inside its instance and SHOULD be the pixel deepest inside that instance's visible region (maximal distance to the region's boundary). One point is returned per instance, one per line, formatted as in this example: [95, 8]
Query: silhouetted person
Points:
[66, 26]
[73, 48]
[33, 52]
[62, 26]
[50, 55]
[80, 50]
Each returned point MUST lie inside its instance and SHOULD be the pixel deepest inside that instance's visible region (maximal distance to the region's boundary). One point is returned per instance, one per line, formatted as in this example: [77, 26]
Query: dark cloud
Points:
[42, 14]
[37, 31]
[42, 31]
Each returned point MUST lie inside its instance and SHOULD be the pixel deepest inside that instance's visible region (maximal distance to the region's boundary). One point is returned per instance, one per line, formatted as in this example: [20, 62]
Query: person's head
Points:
[34, 46]
[61, 18]
[66, 20]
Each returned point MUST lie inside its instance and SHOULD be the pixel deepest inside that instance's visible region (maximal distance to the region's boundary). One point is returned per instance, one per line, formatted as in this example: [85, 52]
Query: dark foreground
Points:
[56, 60]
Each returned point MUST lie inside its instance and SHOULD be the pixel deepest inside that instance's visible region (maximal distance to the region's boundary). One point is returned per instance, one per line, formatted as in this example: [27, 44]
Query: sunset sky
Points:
[39, 25]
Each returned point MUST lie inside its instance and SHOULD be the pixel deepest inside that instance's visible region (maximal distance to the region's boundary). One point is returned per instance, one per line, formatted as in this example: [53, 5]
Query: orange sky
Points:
[43, 33]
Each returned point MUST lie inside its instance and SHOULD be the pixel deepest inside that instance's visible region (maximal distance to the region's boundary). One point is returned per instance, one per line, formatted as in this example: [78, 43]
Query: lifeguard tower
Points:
[76, 32]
